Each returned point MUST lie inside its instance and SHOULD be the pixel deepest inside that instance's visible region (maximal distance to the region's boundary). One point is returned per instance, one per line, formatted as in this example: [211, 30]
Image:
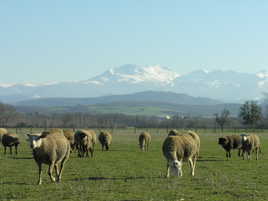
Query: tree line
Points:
[251, 116]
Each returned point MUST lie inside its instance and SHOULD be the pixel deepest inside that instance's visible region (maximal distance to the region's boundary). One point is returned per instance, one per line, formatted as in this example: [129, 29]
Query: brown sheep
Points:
[179, 148]
[144, 141]
[84, 142]
[53, 149]
[105, 139]
[10, 140]
[231, 142]
[251, 143]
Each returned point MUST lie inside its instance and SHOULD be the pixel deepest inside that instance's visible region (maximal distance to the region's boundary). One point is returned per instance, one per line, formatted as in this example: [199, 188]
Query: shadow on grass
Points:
[210, 160]
[23, 158]
[112, 178]
[14, 183]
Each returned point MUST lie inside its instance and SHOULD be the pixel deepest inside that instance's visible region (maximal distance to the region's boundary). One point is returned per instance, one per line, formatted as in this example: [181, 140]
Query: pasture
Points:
[126, 174]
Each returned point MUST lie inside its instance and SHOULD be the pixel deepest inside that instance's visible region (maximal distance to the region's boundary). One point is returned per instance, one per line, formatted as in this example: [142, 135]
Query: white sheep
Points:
[251, 144]
[179, 148]
[144, 141]
[53, 149]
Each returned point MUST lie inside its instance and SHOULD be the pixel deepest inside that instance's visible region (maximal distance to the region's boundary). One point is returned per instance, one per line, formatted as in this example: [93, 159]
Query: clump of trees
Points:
[250, 113]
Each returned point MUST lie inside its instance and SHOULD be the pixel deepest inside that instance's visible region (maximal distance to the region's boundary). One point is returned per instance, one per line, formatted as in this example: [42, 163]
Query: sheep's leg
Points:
[61, 168]
[91, 152]
[56, 167]
[192, 166]
[16, 149]
[39, 173]
[257, 153]
[50, 171]
[106, 147]
[239, 152]
[248, 155]
[5, 149]
[168, 171]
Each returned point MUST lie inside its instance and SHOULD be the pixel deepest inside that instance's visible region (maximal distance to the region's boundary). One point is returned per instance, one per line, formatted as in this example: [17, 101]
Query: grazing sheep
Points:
[178, 148]
[69, 134]
[84, 142]
[231, 142]
[251, 143]
[105, 139]
[2, 132]
[10, 140]
[189, 132]
[53, 149]
[144, 141]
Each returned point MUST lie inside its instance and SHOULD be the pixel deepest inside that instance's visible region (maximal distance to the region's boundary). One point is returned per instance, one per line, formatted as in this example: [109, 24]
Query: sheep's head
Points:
[244, 137]
[176, 168]
[34, 140]
[222, 141]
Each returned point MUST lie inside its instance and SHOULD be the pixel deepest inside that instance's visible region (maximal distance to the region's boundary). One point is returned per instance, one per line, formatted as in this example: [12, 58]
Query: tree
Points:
[223, 118]
[250, 113]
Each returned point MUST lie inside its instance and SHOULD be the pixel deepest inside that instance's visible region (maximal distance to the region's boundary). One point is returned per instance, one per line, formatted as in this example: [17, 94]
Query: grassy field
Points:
[127, 174]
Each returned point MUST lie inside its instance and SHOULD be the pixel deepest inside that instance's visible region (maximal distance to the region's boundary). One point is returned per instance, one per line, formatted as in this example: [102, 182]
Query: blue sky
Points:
[76, 40]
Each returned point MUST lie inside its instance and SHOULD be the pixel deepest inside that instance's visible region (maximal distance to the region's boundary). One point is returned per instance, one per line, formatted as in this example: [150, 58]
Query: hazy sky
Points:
[76, 40]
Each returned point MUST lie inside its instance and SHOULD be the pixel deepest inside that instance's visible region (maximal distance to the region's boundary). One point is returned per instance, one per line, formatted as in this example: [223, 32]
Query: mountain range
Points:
[227, 86]
[149, 103]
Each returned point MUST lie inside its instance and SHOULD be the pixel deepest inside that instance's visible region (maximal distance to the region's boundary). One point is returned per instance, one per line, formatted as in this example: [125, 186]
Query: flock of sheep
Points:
[53, 147]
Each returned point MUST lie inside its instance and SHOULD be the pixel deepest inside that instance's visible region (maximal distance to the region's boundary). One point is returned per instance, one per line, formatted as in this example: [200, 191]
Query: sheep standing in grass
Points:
[10, 140]
[144, 141]
[231, 142]
[2, 132]
[53, 149]
[251, 143]
[179, 148]
[105, 139]
[84, 142]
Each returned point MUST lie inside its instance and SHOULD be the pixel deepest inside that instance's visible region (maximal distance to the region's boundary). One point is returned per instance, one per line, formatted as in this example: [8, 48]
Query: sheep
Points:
[231, 142]
[178, 148]
[69, 134]
[144, 141]
[174, 132]
[2, 132]
[53, 149]
[105, 139]
[251, 143]
[10, 140]
[84, 142]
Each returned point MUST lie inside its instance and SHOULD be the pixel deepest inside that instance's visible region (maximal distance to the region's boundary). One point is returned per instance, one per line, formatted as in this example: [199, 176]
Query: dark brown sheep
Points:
[105, 139]
[10, 140]
[231, 142]
[84, 142]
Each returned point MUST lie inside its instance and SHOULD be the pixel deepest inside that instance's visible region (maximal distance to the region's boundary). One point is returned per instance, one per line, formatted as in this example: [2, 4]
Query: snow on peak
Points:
[135, 74]
[262, 74]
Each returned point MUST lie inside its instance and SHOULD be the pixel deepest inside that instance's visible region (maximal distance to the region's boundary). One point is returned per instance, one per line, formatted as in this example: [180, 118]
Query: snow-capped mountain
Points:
[227, 86]
[136, 74]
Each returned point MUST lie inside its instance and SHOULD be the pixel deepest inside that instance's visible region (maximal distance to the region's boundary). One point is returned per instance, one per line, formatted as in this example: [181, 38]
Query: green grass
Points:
[126, 173]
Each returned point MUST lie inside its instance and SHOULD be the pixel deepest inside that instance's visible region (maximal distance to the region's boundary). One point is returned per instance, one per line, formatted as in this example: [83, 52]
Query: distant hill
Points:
[141, 97]
[150, 103]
